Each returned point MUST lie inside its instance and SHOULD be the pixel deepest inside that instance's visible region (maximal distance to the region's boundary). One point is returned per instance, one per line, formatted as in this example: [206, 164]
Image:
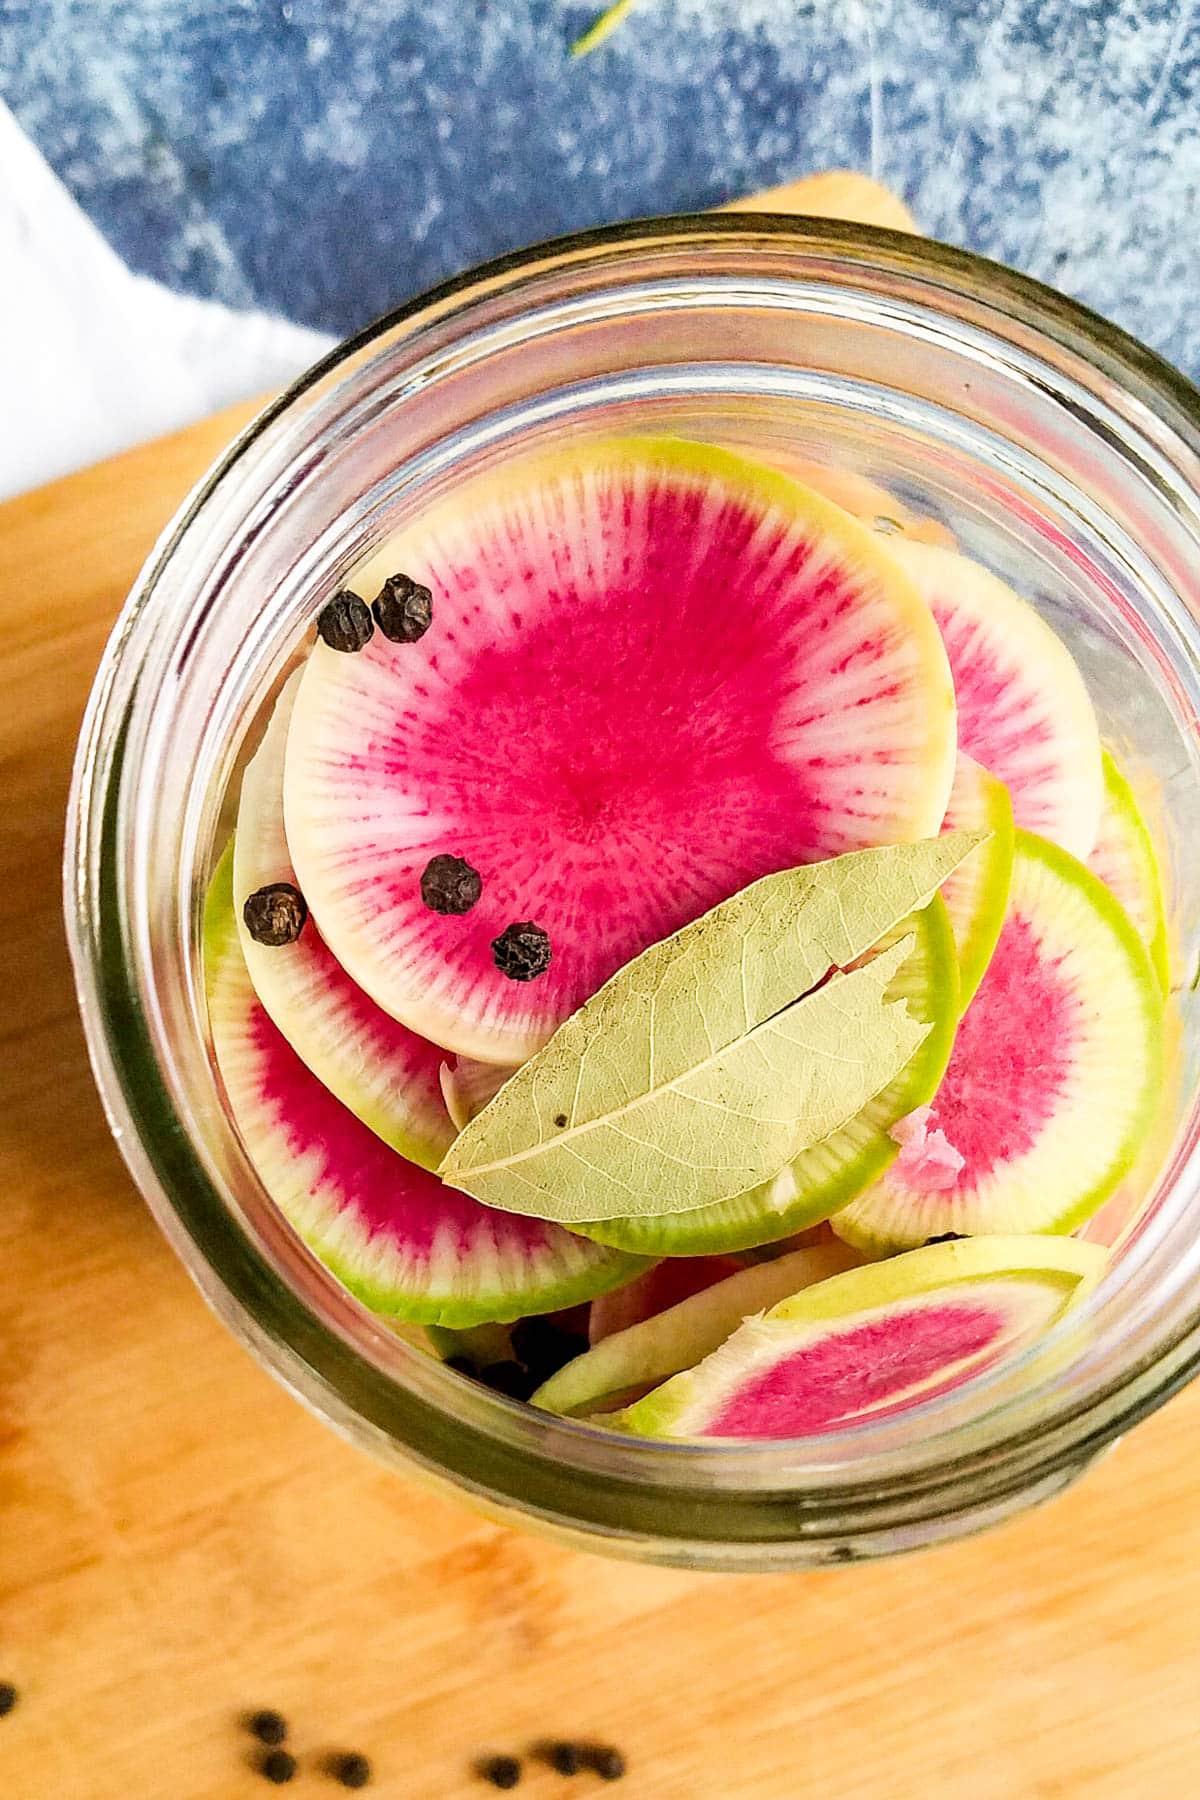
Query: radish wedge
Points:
[680, 1336]
[872, 1342]
[661, 1287]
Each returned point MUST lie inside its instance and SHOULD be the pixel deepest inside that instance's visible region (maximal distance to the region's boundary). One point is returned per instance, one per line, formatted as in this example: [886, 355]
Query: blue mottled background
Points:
[326, 158]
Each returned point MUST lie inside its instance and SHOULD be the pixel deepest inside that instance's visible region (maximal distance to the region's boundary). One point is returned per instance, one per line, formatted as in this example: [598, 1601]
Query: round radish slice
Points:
[654, 673]
[385, 1074]
[832, 1172]
[391, 1232]
[873, 1341]
[653, 1348]
[1052, 1082]
[1124, 860]
[976, 893]
[1023, 709]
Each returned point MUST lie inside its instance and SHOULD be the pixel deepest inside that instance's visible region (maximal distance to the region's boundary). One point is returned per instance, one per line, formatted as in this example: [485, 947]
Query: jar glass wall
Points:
[1058, 452]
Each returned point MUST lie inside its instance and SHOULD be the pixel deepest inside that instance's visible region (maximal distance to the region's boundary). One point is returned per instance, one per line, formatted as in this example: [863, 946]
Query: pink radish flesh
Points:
[1052, 1082]
[654, 675]
[1007, 1070]
[823, 1384]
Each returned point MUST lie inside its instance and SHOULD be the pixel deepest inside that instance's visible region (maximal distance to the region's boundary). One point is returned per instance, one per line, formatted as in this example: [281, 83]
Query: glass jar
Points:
[1058, 451]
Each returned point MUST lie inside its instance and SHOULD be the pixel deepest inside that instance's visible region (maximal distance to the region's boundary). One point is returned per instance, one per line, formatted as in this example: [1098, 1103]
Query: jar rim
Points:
[495, 1449]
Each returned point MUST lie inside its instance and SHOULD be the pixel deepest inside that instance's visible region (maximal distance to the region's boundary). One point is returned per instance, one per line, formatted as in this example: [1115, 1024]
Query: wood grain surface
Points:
[179, 1540]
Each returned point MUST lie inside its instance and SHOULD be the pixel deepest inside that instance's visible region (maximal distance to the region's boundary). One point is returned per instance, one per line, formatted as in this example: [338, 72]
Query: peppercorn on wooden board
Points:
[180, 1541]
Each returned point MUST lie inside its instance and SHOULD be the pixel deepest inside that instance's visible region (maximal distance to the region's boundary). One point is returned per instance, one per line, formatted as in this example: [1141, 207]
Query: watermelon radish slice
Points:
[1124, 860]
[832, 1172]
[478, 1345]
[648, 1351]
[976, 893]
[1023, 709]
[856, 494]
[467, 1086]
[1052, 1082]
[655, 672]
[661, 1287]
[1136, 1198]
[391, 1232]
[385, 1074]
[873, 1341]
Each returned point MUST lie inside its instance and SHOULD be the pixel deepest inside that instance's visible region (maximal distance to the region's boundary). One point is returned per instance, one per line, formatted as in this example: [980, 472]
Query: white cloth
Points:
[94, 358]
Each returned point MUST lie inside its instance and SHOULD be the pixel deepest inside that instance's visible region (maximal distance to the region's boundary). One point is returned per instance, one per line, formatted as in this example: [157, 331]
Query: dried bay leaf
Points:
[695, 1072]
[829, 1173]
[728, 1123]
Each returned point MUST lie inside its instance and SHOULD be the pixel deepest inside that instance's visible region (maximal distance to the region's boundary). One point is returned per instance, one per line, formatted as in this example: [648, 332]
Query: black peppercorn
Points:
[509, 1378]
[351, 1769]
[522, 951]
[268, 1726]
[403, 609]
[450, 885]
[607, 1762]
[501, 1771]
[8, 1698]
[344, 623]
[279, 1766]
[544, 1348]
[275, 914]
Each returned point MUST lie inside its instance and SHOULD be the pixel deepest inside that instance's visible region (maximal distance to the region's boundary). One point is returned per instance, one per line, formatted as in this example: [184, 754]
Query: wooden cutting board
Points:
[180, 1541]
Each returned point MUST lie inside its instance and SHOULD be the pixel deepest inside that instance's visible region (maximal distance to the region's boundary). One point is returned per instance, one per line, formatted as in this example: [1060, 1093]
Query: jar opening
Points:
[1062, 455]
